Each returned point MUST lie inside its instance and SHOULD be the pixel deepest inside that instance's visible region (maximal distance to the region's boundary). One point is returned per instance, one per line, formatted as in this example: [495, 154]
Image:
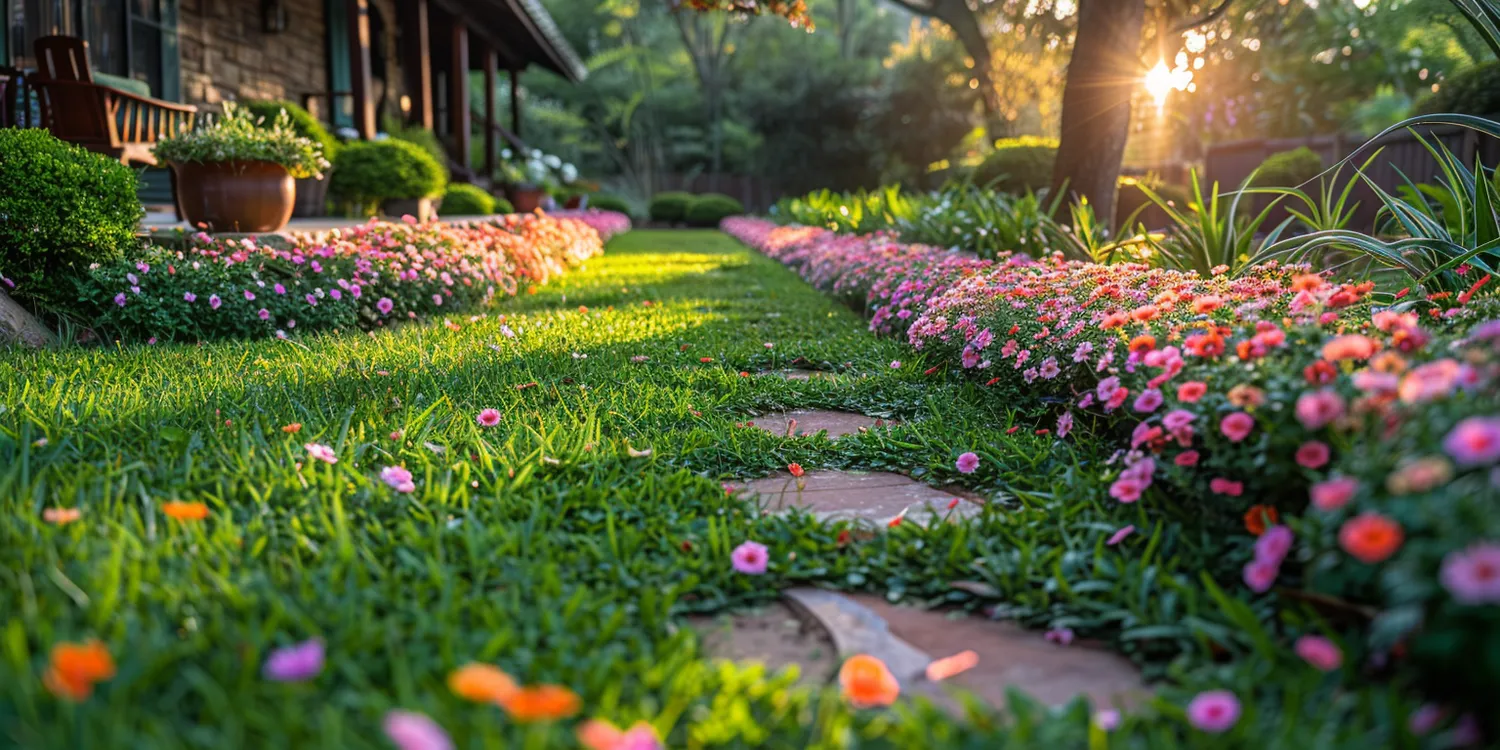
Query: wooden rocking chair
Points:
[117, 124]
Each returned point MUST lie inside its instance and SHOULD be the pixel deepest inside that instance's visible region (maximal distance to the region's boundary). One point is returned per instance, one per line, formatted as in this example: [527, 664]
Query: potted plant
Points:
[312, 192]
[526, 180]
[391, 177]
[235, 176]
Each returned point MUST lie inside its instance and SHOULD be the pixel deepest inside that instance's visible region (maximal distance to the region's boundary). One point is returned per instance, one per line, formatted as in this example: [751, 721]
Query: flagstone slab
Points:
[18, 324]
[774, 636]
[800, 374]
[876, 497]
[803, 422]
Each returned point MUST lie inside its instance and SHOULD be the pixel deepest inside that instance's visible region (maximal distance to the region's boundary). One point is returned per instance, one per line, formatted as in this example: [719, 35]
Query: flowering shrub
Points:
[606, 223]
[364, 277]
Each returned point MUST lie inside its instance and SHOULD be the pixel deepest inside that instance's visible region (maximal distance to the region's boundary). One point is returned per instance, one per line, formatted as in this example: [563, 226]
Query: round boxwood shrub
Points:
[670, 206]
[368, 172]
[303, 122]
[1018, 165]
[1475, 91]
[503, 205]
[709, 209]
[1289, 168]
[63, 207]
[463, 199]
[607, 202]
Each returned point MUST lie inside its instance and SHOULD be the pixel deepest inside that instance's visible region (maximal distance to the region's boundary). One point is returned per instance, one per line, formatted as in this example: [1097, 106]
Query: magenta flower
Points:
[264, 314]
[189, 297]
[1149, 400]
[322, 453]
[1237, 426]
[1425, 718]
[1107, 719]
[1060, 636]
[1317, 408]
[249, 296]
[1320, 652]
[214, 301]
[1225, 486]
[895, 364]
[1127, 489]
[1472, 575]
[1312, 454]
[1120, 534]
[750, 558]
[385, 305]
[311, 300]
[967, 463]
[1474, 441]
[1186, 458]
[1273, 545]
[1331, 494]
[1260, 574]
[1214, 711]
[409, 730]
[295, 663]
[1177, 419]
[488, 418]
[279, 289]
[398, 478]
[1064, 424]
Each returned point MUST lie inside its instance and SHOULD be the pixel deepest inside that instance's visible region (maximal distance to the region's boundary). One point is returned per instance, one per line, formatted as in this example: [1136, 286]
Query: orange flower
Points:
[541, 703]
[1307, 282]
[75, 667]
[481, 683]
[185, 511]
[944, 668]
[1114, 320]
[598, 734]
[1351, 346]
[795, 469]
[61, 516]
[1259, 518]
[292, 429]
[1142, 343]
[867, 682]
[1370, 537]
[1205, 305]
[1246, 396]
[1145, 313]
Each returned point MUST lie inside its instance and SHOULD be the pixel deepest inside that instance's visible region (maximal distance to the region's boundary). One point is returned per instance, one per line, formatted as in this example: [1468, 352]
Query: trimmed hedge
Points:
[368, 172]
[503, 205]
[1289, 168]
[608, 202]
[1018, 165]
[62, 208]
[463, 199]
[1475, 91]
[670, 206]
[303, 122]
[709, 209]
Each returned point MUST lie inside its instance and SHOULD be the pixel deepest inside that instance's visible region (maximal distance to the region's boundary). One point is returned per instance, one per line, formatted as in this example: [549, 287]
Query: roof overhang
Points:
[525, 31]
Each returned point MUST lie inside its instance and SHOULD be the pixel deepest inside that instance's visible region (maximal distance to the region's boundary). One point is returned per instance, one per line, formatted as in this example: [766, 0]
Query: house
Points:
[350, 62]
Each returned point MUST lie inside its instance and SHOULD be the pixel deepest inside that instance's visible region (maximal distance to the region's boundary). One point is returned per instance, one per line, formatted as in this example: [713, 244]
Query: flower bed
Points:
[606, 223]
[1277, 394]
[362, 277]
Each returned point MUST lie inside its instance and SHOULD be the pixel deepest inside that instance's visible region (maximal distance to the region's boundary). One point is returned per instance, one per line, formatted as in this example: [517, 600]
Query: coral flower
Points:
[795, 469]
[1332, 494]
[61, 516]
[867, 683]
[74, 668]
[1259, 518]
[1191, 391]
[1370, 537]
[481, 683]
[409, 730]
[1225, 486]
[942, 669]
[1320, 652]
[750, 558]
[1352, 346]
[541, 703]
[967, 463]
[598, 734]
[1214, 711]
[292, 429]
[488, 418]
[185, 511]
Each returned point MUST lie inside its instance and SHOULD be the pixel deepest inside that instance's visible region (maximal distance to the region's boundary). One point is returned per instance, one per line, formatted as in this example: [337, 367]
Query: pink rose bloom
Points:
[1474, 441]
[1320, 652]
[398, 478]
[1331, 494]
[1119, 536]
[1237, 426]
[1472, 575]
[1148, 401]
[1260, 574]
[322, 453]
[1186, 458]
[1222, 486]
[1273, 545]
[296, 663]
[1214, 711]
[750, 558]
[488, 418]
[1316, 409]
[967, 463]
[408, 730]
[1127, 489]
[1312, 454]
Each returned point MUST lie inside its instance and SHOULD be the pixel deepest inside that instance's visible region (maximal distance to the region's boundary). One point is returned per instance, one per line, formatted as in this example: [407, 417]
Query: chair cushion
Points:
[121, 83]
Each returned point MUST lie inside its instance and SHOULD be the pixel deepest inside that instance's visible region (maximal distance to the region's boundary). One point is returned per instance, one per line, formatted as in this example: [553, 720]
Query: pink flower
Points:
[385, 305]
[1472, 575]
[437, 299]
[120, 299]
[311, 300]
[1127, 489]
[1223, 486]
[1273, 545]
[1119, 535]
[1260, 574]
[750, 558]
[488, 418]
[1474, 441]
[264, 314]
[1148, 401]
[409, 730]
[321, 453]
[1331, 494]
[1312, 454]
[1191, 391]
[1425, 718]
[895, 364]
[1060, 636]
[1316, 409]
[1320, 652]
[214, 301]
[1237, 426]
[279, 289]
[1064, 424]
[1214, 711]
[967, 463]
[249, 296]
[189, 297]
[1177, 419]
[1107, 719]
[398, 478]
[1186, 458]
[296, 663]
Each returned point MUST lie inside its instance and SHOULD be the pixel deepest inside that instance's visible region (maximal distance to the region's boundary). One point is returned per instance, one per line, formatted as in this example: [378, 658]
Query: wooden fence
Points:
[757, 193]
[1397, 154]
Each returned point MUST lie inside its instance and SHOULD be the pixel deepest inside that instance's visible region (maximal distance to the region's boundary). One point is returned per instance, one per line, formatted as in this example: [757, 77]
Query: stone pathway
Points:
[876, 497]
[775, 636]
[805, 422]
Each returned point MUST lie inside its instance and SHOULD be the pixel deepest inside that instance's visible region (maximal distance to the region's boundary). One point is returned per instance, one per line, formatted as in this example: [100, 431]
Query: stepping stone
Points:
[18, 324]
[811, 421]
[876, 497]
[797, 374]
[775, 636]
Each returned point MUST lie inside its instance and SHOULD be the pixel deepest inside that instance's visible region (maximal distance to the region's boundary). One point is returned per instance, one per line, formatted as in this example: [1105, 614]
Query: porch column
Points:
[458, 96]
[359, 68]
[418, 64]
[491, 62]
[515, 102]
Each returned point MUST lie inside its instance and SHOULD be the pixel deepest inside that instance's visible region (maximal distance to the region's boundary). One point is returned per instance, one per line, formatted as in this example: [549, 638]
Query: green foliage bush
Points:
[608, 202]
[236, 135]
[62, 208]
[422, 138]
[463, 199]
[670, 206]
[303, 122]
[1289, 168]
[709, 209]
[1475, 91]
[1018, 165]
[503, 205]
[368, 172]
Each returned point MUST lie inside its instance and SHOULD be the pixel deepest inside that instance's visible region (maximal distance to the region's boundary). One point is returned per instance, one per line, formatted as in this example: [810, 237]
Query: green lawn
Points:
[540, 545]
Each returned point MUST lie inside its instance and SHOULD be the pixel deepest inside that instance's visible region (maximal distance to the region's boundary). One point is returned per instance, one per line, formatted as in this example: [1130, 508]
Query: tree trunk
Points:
[1102, 75]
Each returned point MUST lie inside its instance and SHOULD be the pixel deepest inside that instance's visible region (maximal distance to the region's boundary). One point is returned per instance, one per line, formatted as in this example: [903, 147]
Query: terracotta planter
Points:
[525, 200]
[421, 208]
[235, 196]
[312, 197]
